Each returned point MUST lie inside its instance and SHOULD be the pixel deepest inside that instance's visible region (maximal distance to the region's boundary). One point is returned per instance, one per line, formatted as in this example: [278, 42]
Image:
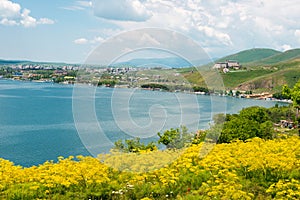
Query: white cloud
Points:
[45, 21]
[95, 40]
[27, 20]
[221, 27]
[297, 35]
[8, 22]
[81, 41]
[9, 9]
[213, 33]
[11, 14]
[286, 47]
[123, 10]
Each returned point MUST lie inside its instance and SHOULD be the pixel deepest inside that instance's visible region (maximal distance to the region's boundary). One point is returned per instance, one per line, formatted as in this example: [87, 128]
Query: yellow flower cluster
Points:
[50, 176]
[285, 189]
[239, 170]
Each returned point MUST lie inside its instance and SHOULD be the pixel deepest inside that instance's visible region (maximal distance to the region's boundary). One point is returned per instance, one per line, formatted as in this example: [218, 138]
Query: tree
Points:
[200, 89]
[255, 113]
[286, 92]
[278, 113]
[239, 128]
[134, 146]
[219, 118]
[250, 122]
[295, 96]
[175, 138]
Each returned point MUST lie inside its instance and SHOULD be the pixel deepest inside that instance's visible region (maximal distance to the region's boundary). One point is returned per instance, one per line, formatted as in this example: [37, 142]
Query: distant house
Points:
[233, 64]
[220, 65]
[229, 64]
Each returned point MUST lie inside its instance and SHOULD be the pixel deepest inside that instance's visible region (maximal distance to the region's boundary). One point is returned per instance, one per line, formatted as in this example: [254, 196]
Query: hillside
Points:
[250, 55]
[264, 70]
[281, 57]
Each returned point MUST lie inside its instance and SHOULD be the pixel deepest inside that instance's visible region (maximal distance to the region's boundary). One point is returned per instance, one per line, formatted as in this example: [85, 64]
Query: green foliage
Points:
[58, 79]
[200, 89]
[219, 118]
[134, 146]
[266, 130]
[255, 113]
[250, 122]
[295, 94]
[239, 128]
[155, 86]
[280, 95]
[286, 92]
[281, 113]
[175, 138]
[107, 83]
[199, 137]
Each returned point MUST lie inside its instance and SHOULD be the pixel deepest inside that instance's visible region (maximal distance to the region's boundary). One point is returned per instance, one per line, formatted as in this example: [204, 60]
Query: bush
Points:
[175, 138]
[134, 146]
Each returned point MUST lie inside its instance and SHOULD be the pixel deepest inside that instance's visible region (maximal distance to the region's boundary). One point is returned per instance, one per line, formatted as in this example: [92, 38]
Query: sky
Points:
[69, 30]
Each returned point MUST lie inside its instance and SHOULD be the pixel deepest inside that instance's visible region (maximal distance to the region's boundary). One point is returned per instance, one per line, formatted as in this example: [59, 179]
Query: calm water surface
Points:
[36, 119]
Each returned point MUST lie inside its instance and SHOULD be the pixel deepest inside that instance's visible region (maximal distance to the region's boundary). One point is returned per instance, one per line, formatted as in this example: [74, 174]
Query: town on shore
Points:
[149, 78]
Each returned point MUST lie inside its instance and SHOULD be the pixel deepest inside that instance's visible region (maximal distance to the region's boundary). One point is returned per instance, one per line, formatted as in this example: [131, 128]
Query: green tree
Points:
[295, 96]
[133, 146]
[175, 138]
[250, 122]
[255, 113]
[200, 89]
[239, 128]
[278, 113]
[219, 118]
[286, 92]
[266, 130]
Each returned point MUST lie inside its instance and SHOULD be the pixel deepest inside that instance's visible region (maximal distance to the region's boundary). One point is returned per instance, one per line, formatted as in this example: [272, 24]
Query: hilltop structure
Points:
[228, 64]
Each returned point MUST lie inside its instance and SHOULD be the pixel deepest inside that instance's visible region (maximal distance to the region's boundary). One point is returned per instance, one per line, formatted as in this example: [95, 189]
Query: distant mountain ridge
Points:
[250, 57]
[168, 62]
[28, 62]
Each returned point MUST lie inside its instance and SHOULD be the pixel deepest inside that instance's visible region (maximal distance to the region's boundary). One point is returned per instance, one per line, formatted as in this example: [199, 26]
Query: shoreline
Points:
[288, 101]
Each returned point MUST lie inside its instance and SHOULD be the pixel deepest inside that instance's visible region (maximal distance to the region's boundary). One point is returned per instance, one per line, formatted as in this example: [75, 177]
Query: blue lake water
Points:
[37, 122]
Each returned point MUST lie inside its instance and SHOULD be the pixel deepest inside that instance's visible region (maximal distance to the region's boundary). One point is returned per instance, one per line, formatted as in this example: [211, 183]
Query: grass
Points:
[232, 80]
[285, 56]
[250, 55]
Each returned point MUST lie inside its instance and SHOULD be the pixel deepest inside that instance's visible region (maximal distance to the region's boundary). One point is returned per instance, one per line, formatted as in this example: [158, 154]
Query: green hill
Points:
[265, 70]
[251, 55]
[281, 57]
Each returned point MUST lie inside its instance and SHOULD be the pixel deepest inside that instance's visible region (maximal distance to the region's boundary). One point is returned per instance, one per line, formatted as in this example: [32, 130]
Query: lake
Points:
[41, 121]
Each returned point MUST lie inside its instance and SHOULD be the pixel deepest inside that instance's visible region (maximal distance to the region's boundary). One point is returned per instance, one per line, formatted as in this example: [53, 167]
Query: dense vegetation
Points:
[257, 169]
[154, 86]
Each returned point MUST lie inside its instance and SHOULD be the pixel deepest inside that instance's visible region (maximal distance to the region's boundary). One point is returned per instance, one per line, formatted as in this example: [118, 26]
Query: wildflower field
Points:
[254, 169]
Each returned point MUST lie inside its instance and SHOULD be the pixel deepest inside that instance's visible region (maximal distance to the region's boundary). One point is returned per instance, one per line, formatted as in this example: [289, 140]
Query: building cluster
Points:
[227, 65]
[43, 67]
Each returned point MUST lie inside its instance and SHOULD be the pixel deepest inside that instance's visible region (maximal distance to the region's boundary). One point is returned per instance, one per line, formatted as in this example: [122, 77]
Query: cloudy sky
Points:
[68, 30]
